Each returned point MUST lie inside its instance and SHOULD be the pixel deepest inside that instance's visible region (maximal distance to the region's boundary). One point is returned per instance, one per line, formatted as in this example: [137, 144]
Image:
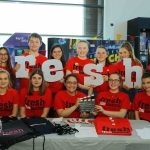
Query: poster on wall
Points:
[69, 47]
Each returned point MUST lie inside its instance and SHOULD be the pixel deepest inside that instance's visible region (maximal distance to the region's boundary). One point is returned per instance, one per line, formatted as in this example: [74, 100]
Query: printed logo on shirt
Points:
[34, 104]
[31, 68]
[75, 71]
[141, 110]
[27, 107]
[6, 106]
[102, 103]
[78, 68]
[69, 104]
[111, 102]
[144, 106]
[106, 129]
[17, 131]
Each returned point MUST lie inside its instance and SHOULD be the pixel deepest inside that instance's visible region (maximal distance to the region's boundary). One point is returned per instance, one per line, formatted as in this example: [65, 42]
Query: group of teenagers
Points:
[36, 97]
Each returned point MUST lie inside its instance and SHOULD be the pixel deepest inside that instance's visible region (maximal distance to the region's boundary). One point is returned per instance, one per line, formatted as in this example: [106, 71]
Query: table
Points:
[103, 142]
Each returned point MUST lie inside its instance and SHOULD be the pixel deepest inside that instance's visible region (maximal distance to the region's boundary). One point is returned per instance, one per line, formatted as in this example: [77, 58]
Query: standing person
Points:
[112, 103]
[66, 102]
[141, 103]
[5, 63]
[35, 100]
[102, 58]
[127, 51]
[56, 52]
[76, 64]
[34, 42]
[9, 97]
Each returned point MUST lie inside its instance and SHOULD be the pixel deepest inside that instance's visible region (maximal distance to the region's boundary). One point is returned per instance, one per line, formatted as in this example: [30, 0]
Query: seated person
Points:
[35, 100]
[141, 103]
[112, 103]
[9, 97]
[66, 102]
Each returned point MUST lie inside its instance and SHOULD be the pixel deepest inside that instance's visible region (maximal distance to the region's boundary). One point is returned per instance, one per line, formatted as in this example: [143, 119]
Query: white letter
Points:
[129, 70]
[57, 66]
[87, 69]
[21, 60]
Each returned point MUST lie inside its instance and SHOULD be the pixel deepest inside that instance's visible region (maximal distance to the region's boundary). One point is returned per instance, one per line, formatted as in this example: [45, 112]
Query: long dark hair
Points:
[146, 74]
[62, 59]
[10, 68]
[42, 86]
[70, 75]
[107, 61]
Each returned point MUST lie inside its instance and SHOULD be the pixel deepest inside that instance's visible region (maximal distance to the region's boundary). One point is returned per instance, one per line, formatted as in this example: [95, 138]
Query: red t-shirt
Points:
[148, 67]
[63, 100]
[56, 86]
[7, 101]
[6, 68]
[39, 61]
[141, 104]
[106, 71]
[35, 103]
[76, 65]
[112, 101]
[121, 69]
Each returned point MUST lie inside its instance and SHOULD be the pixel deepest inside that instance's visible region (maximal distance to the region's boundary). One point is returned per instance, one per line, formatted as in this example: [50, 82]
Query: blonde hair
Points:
[130, 49]
[6, 72]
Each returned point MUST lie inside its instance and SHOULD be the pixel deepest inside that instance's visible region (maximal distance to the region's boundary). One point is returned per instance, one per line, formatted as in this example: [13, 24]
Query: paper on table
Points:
[57, 120]
[86, 132]
[143, 133]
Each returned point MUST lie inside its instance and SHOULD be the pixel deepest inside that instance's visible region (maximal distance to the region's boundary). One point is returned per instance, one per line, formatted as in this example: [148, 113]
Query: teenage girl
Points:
[5, 63]
[35, 100]
[9, 97]
[112, 103]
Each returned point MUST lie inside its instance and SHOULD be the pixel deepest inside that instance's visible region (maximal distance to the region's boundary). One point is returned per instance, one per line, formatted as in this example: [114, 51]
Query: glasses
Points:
[115, 80]
[74, 83]
[3, 54]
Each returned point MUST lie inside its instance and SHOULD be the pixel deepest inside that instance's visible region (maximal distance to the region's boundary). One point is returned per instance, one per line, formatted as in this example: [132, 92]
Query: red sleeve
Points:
[97, 99]
[48, 99]
[117, 66]
[115, 69]
[69, 65]
[125, 101]
[135, 103]
[22, 97]
[16, 97]
[58, 102]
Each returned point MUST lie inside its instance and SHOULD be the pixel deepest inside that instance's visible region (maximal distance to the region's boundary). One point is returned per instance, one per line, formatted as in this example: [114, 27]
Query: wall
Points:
[119, 12]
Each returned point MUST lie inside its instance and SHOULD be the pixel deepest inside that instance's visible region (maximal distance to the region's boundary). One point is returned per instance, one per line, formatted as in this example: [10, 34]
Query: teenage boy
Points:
[141, 103]
[34, 42]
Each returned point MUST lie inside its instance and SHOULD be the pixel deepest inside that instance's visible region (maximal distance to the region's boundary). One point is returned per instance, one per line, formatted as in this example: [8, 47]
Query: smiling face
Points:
[71, 85]
[146, 84]
[101, 55]
[4, 80]
[124, 53]
[57, 53]
[3, 56]
[82, 50]
[34, 44]
[36, 81]
[114, 83]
